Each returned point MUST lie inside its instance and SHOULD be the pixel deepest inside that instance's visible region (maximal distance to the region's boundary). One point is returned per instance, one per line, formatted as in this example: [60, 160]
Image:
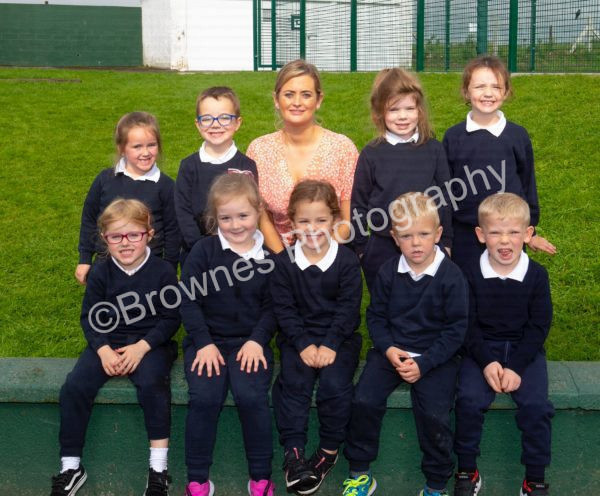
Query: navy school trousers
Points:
[293, 392]
[206, 398]
[432, 399]
[534, 409]
[152, 380]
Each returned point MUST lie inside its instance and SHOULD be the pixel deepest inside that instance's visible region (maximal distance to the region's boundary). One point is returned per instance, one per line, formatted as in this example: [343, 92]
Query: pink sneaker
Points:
[195, 489]
[261, 488]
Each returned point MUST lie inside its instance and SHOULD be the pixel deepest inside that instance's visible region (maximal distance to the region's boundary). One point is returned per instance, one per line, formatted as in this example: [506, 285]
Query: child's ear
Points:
[438, 234]
[480, 234]
[150, 234]
[528, 234]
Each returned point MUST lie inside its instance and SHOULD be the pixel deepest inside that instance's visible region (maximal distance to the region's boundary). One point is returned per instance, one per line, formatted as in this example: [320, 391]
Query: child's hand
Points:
[511, 381]
[209, 356]
[409, 371]
[309, 355]
[81, 272]
[325, 356]
[110, 359]
[493, 373]
[131, 356]
[251, 356]
[394, 354]
[538, 243]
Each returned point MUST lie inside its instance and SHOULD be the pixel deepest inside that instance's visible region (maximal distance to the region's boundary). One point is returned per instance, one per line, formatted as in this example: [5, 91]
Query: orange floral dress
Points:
[334, 161]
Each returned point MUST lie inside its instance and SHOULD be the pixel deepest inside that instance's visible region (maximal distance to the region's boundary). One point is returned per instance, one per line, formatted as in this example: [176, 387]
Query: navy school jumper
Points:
[472, 156]
[227, 303]
[157, 196]
[191, 191]
[316, 307]
[153, 322]
[429, 317]
[509, 321]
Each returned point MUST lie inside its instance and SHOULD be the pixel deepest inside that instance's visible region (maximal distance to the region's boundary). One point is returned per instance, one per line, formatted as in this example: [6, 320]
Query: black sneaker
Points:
[68, 483]
[467, 483]
[157, 484]
[534, 489]
[320, 464]
[298, 473]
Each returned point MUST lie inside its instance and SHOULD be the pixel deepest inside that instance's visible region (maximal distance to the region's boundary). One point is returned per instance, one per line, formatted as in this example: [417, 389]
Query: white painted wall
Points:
[207, 35]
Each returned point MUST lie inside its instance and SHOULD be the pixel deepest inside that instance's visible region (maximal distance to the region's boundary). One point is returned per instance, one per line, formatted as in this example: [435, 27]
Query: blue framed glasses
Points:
[224, 120]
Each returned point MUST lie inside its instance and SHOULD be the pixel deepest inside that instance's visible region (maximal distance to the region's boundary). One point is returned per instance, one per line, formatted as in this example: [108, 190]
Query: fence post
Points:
[482, 26]
[447, 48]
[255, 37]
[303, 29]
[532, 39]
[273, 35]
[420, 35]
[513, 27]
[353, 34]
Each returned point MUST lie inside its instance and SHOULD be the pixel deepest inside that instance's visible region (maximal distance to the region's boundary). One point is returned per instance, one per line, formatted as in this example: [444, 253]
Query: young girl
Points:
[405, 157]
[135, 175]
[227, 313]
[317, 290]
[135, 344]
[487, 154]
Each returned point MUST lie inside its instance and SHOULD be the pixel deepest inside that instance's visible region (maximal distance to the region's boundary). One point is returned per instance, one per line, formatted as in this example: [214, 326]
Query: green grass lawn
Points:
[56, 136]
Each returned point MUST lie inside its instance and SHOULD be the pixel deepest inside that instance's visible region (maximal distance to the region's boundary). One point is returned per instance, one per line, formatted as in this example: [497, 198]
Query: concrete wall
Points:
[69, 35]
[198, 34]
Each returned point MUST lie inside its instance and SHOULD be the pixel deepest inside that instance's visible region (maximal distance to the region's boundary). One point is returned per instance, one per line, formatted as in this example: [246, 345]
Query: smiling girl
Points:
[136, 175]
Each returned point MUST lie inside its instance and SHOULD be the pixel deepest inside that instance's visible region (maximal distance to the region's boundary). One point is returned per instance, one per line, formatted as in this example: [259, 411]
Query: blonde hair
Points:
[312, 190]
[121, 209]
[489, 62]
[131, 121]
[505, 206]
[218, 92]
[224, 188]
[296, 68]
[391, 84]
[412, 206]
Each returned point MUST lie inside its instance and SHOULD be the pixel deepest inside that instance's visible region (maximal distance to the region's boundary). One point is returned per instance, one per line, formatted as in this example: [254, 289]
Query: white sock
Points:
[70, 463]
[158, 459]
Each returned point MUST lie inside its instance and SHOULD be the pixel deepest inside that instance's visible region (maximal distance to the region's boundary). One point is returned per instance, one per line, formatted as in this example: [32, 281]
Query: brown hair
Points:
[504, 205]
[218, 92]
[410, 207]
[312, 190]
[296, 68]
[224, 188]
[391, 84]
[132, 210]
[490, 62]
[133, 120]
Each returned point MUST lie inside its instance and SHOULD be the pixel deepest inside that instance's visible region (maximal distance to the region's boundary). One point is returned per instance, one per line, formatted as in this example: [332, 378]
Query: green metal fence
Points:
[428, 35]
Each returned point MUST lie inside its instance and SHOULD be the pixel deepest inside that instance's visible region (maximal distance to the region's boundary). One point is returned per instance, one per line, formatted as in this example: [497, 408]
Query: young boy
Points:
[417, 320]
[509, 318]
[217, 120]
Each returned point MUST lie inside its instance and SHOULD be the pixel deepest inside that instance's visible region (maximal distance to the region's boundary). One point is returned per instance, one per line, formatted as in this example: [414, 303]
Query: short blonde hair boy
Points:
[412, 206]
[505, 206]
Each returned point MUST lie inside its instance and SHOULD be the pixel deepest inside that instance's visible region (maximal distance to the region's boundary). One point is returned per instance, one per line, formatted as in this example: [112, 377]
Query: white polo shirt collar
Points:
[132, 271]
[228, 155]
[152, 175]
[496, 129]
[517, 274]
[431, 269]
[256, 252]
[327, 261]
[394, 139]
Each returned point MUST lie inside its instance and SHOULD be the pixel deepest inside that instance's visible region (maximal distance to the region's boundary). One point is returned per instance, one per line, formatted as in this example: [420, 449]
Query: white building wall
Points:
[198, 35]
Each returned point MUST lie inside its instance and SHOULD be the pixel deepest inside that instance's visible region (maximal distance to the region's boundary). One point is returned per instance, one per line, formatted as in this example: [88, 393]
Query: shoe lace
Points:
[352, 485]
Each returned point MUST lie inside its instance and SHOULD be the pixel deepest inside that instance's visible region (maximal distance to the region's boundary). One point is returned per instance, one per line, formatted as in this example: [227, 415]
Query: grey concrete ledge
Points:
[38, 380]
